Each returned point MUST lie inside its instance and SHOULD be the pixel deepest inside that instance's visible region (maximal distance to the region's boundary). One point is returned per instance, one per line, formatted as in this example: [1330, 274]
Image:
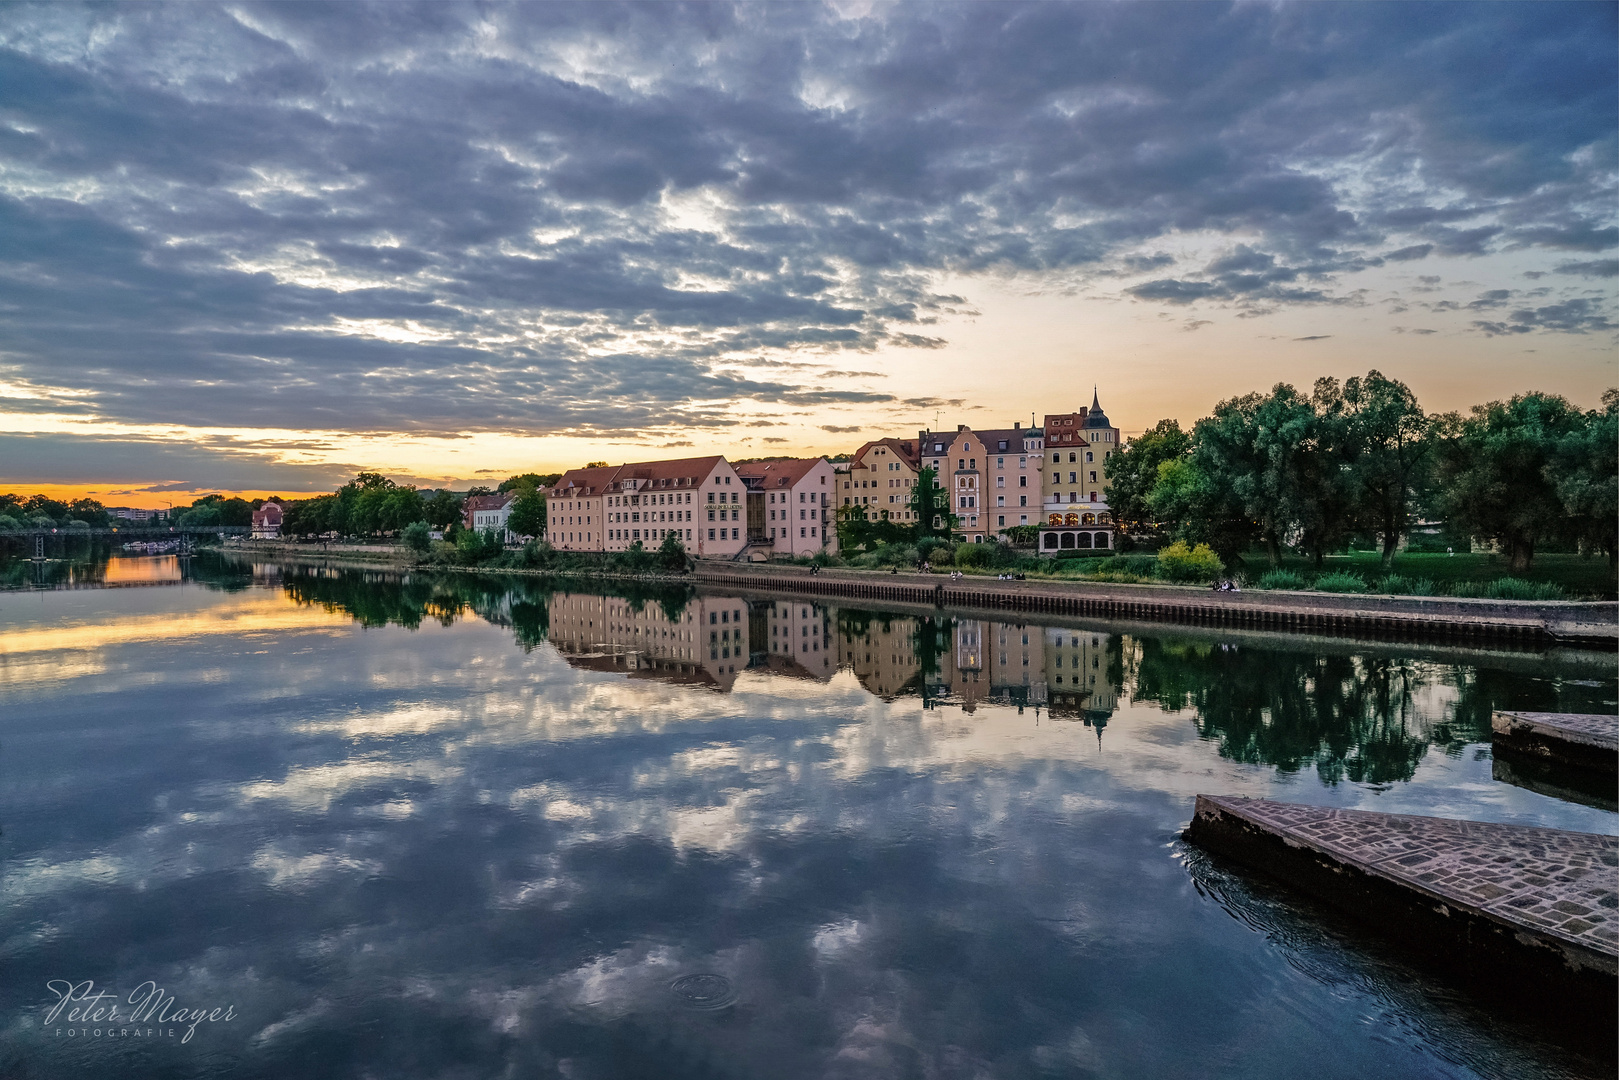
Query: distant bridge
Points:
[134, 531]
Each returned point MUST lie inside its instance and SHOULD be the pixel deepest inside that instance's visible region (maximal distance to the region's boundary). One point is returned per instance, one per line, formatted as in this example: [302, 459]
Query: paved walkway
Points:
[1564, 885]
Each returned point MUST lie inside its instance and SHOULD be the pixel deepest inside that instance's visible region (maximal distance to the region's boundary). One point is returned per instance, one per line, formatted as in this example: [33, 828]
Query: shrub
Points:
[415, 538]
[1508, 588]
[975, 556]
[942, 555]
[1398, 585]
[1138, 565]
[1341, 581]
[1281, 579]
[1177, 562]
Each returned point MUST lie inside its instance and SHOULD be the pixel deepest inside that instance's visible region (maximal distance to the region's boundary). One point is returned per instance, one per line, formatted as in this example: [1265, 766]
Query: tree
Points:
[1394, 442]
[416, 538]
[1133, 472]
[1206, 513]
[442, 509]
[1584, 467]
[1497, 469]
[528, 514]
[930, 506]
[1246, 460]
[1324, 457]
[528, 482]
[672, 553]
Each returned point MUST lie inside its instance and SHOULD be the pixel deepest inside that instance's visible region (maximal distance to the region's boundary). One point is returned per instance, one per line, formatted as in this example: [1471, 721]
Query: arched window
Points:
[1050, 540]
[1071, 519]
[1082, 540]
[1067, 539]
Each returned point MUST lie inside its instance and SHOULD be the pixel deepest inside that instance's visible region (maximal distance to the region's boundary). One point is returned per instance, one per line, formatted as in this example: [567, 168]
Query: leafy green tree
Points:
[415, 537]
[527, 517]
[1133, 472]
[1324, 453]
[1206, 512]
[1584, 467]
[929, 505]
[39, 505]
[442, 509]
[1497, 472]
[528, 482]
[672, 553]
[1394, 445]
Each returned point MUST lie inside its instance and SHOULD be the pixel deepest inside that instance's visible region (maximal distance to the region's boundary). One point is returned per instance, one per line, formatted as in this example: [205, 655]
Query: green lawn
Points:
[1578, 575]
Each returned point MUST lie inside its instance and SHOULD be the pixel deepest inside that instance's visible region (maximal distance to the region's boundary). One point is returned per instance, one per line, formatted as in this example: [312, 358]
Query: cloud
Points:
[157, 465]
[1313, 337]
[1577, 316]
[1596, 268]
[455, 219]
[840, 429]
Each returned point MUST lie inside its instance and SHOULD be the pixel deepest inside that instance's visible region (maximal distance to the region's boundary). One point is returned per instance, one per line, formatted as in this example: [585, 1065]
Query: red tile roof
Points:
[778, 472]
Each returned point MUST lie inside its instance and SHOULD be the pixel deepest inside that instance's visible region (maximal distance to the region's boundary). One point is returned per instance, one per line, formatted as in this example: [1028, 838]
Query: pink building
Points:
[790, 505]
[610, 508]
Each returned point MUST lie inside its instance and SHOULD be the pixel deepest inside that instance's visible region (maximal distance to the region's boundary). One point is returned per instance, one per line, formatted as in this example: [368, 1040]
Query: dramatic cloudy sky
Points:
[254, 247]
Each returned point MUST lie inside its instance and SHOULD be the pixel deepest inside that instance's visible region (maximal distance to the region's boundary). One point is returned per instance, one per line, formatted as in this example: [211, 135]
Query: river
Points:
[361, 823]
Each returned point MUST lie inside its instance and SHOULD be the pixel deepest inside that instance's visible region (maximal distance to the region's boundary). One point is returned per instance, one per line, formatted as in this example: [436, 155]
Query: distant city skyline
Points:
[257, 249]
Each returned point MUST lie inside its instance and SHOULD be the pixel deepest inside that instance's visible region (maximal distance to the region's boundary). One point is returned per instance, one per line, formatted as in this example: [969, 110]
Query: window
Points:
[1001, 519]
[1093, 476]
[1073, 478]
[711, 534]
[1023, 481]
[1089, 456]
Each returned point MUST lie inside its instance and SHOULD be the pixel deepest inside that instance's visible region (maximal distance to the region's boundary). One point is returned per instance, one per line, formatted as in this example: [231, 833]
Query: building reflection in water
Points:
[708, 642]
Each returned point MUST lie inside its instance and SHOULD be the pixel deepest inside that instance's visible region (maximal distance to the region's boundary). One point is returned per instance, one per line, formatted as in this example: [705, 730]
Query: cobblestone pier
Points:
[1536, 907]
[1572, 739]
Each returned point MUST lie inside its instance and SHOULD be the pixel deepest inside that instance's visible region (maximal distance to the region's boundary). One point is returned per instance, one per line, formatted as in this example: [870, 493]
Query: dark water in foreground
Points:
[476, 828]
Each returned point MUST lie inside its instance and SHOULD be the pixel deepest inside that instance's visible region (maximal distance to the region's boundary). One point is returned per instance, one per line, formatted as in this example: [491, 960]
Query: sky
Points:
[256, 248]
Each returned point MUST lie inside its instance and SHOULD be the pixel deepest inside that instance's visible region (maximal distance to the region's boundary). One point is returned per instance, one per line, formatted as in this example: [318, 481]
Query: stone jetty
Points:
[1534, 907]
[1575, 740]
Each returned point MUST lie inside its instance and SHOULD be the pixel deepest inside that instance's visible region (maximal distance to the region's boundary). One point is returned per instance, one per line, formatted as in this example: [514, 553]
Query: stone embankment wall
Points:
[1588, 624]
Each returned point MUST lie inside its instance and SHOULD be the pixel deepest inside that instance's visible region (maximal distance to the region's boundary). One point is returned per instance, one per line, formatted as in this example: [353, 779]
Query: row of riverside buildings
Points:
[1053, 476]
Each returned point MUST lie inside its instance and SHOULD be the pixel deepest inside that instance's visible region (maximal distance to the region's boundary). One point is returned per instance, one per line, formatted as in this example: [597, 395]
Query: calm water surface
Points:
[465, 827]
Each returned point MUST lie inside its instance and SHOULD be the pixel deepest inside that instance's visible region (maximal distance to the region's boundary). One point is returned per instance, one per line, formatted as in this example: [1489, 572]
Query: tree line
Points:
[1286, 470]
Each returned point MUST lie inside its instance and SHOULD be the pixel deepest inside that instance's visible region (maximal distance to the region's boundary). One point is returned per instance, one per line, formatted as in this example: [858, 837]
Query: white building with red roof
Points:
[483, 512]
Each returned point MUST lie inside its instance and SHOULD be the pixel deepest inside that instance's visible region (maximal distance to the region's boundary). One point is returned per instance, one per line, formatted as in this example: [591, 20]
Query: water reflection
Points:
[475, 825]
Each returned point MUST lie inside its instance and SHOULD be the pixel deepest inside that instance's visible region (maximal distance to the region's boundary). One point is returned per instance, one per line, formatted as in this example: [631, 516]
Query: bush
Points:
[1281, 579]
[415, 538]
[1340, 581]
[1139, 565]
[1398, 585]
[942, 555]
[1508, 588]
[1177, 562]
[975, 556]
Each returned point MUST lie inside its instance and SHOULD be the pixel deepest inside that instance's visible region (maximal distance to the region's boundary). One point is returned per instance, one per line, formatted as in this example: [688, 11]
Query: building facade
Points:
[611, 508]
[1074, 508]
[267, 521]
[880, 479]
[484, 512]
[789, 502]
[992, 477]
